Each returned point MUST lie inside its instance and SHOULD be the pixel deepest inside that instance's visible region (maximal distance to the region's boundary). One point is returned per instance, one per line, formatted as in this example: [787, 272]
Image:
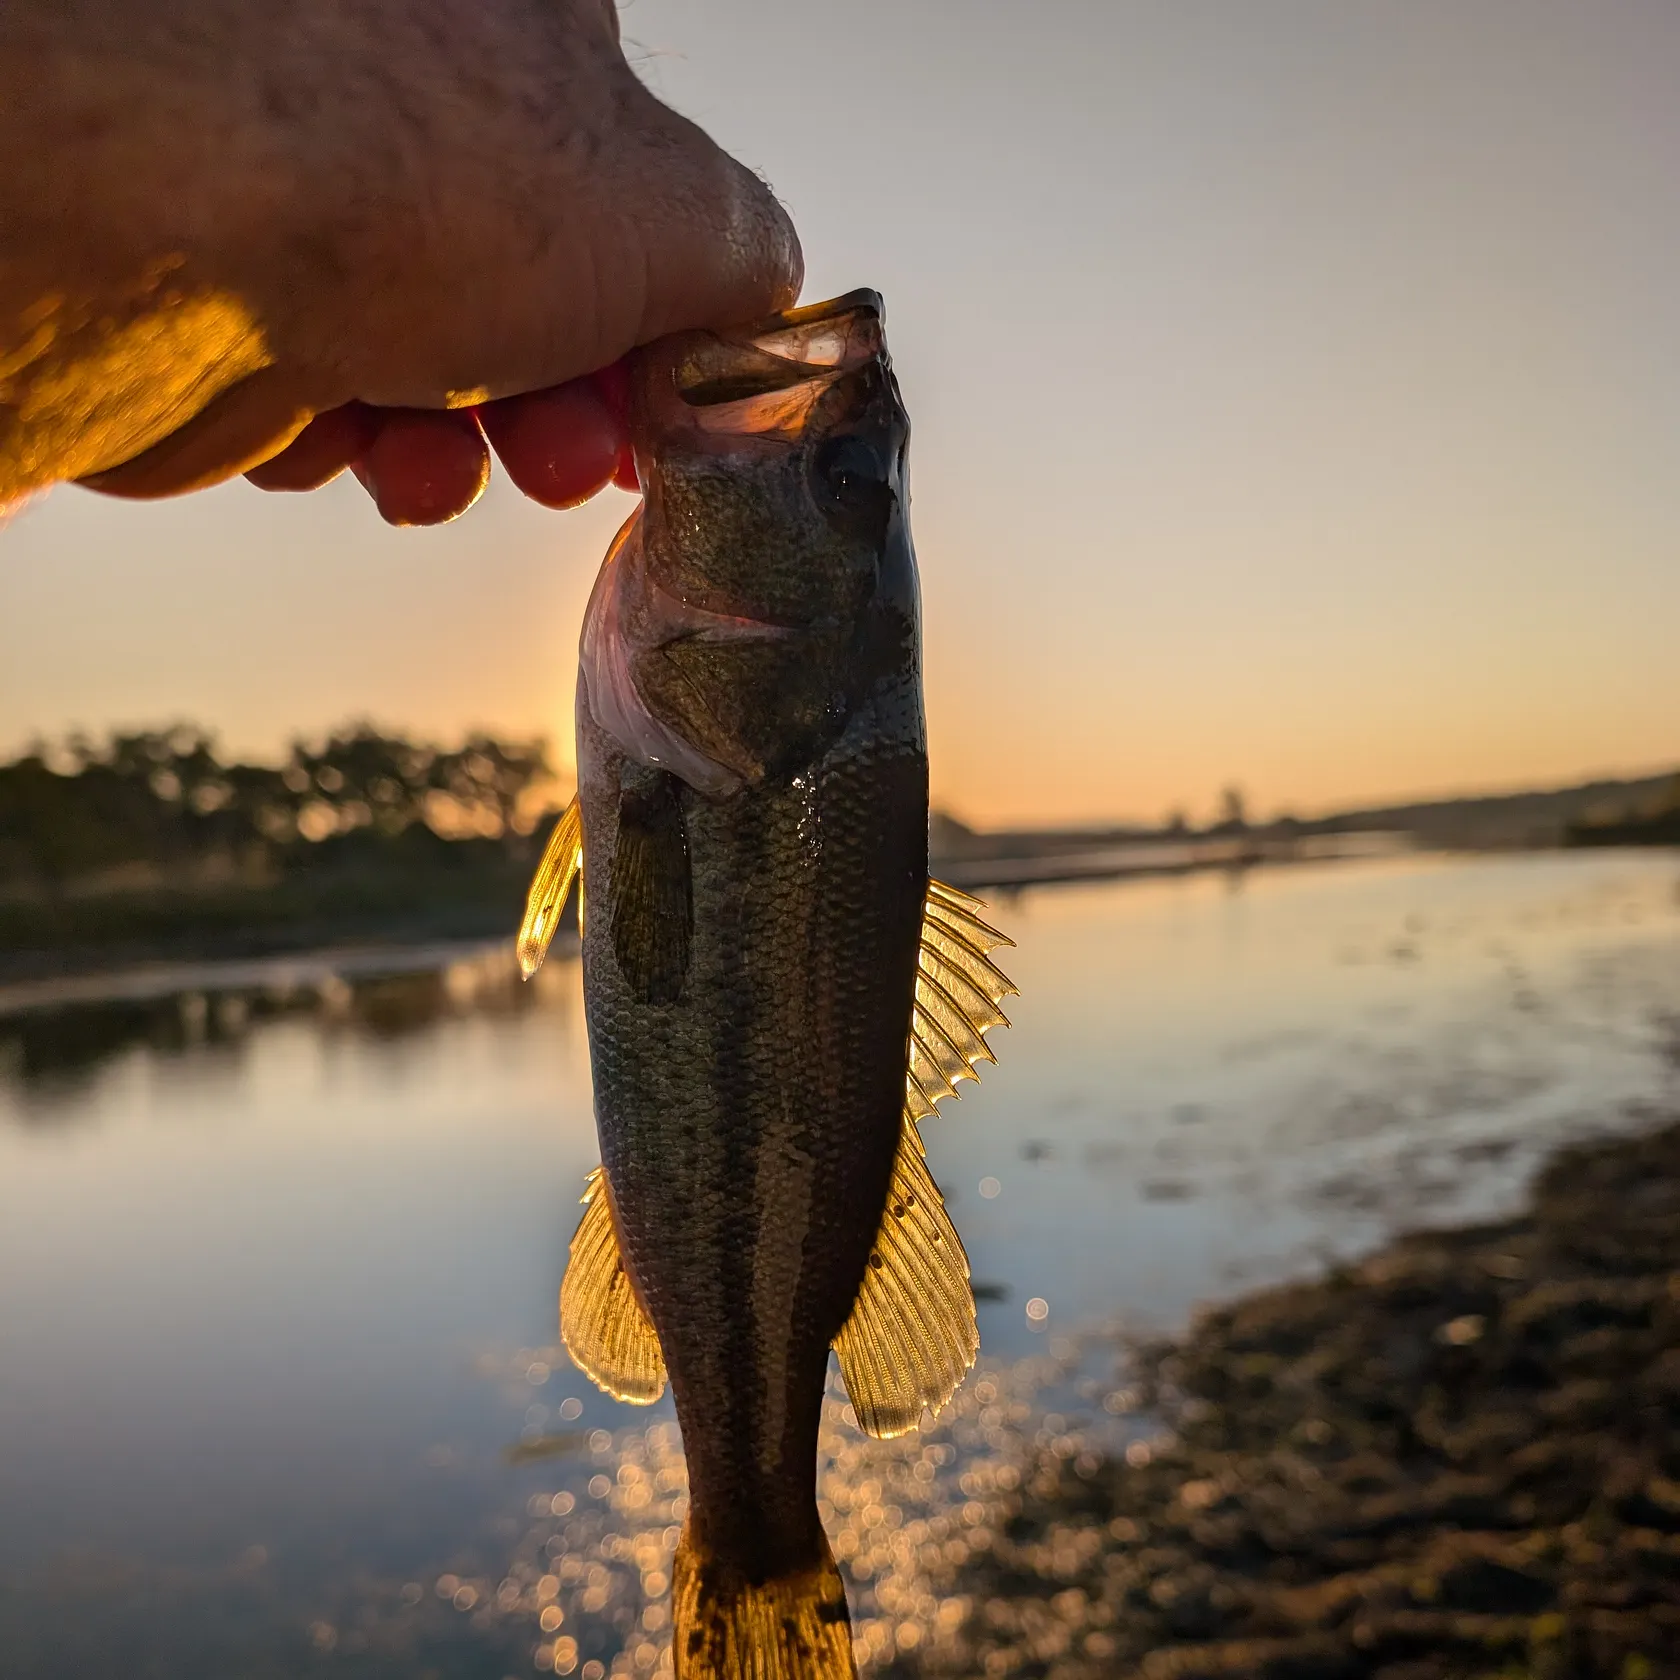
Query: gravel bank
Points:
[1459, 1458]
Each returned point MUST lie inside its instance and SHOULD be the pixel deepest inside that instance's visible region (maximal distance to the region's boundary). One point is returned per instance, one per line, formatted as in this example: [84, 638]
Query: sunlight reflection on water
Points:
[278, 1260]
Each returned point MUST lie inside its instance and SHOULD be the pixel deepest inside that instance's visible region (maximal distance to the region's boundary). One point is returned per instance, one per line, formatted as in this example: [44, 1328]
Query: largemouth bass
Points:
[776, 993]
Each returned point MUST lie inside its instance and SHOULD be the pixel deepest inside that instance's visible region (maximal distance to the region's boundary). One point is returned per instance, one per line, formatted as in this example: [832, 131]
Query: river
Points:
[279, 1390]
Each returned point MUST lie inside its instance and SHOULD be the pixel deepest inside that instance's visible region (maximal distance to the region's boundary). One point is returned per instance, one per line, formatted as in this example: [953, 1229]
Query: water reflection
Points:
[279, 1250]
[53, 1034]
[591, 1571]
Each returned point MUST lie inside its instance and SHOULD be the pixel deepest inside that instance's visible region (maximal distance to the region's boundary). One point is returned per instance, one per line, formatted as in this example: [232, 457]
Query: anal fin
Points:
[562, 864]
[912, 1335]
[604, 1326]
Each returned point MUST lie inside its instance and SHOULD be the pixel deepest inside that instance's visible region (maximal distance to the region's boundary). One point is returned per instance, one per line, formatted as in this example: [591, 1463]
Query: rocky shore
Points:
[1459, 1458]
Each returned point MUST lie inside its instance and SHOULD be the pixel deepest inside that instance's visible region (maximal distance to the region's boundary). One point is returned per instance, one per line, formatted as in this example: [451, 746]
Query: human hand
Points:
[426, 466]
[406, 236]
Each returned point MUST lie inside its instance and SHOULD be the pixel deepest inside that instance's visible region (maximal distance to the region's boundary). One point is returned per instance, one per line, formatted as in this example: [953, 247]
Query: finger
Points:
[559, 446]
[320, 452]
[246, 424]
[613, 382]
[719, 247]
[426, 465]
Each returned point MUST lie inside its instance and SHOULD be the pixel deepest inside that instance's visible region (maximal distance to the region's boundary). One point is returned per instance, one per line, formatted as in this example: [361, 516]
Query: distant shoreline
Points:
[1024, 868]
[213, 948]
[150, 851]
[321, 955]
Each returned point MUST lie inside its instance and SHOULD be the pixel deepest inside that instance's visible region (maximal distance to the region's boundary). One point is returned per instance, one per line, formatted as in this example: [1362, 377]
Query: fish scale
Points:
[748, 1131]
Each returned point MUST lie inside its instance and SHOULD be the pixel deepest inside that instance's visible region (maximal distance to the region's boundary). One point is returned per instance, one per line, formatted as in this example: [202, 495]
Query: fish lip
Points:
[842, 333]
[764, 378]
[861, 300]
[780, 350]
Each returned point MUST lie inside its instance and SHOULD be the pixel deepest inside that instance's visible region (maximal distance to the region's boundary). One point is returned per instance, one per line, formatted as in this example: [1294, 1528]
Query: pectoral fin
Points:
[652, 889]
[602, 1323]
[912, 1333]
[562, 864]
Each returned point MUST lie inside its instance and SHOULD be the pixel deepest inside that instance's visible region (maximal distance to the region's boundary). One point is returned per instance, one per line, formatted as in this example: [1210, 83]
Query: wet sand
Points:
[1458, 1458]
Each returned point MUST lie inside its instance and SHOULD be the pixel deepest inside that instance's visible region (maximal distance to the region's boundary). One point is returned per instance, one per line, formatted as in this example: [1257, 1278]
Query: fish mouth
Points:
[766, 378]
[823, 339]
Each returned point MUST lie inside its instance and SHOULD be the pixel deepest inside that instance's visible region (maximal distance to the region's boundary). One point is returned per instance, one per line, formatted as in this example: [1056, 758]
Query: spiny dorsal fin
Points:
[562, 864]
[958, 989]
[604, 1326]
[911, 1336]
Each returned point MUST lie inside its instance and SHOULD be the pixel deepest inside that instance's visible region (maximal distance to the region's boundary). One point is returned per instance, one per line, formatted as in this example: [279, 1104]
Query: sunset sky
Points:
[1297, 399]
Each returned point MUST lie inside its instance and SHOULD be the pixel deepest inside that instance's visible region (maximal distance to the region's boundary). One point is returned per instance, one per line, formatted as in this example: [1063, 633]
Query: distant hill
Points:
[950, 838]
[1642, 810]
[1648, 821]
[1492, 822]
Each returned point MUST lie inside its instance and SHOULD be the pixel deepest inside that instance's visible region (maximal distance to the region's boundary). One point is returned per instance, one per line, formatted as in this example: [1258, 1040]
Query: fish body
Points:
[752, 820]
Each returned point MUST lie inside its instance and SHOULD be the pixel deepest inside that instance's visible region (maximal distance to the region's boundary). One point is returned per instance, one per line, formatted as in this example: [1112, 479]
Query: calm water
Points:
[279, 1393]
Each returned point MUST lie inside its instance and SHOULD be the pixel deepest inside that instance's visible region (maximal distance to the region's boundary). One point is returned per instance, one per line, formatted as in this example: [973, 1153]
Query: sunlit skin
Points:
[356, 234]
[424, 468]
[558, 446]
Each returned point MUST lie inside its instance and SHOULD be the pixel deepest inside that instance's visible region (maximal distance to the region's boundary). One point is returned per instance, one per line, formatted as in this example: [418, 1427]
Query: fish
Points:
[776, 992]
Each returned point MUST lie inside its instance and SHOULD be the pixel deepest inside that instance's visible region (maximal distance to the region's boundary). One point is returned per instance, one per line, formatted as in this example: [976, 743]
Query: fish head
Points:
[766, 593]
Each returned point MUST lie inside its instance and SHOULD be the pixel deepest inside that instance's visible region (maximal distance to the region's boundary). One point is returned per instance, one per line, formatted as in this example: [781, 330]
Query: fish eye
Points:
[849, 485]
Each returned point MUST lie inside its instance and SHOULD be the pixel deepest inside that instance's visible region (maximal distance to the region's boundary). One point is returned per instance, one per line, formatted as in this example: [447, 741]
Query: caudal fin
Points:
[791, 1627]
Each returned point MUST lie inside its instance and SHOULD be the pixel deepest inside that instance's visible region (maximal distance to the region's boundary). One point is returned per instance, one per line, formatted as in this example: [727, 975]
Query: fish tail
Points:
[725, 1626]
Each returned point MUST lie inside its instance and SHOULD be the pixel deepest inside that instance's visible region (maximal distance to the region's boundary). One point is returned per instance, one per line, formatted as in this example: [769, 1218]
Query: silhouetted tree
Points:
[164, 799]
[1233, 812]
